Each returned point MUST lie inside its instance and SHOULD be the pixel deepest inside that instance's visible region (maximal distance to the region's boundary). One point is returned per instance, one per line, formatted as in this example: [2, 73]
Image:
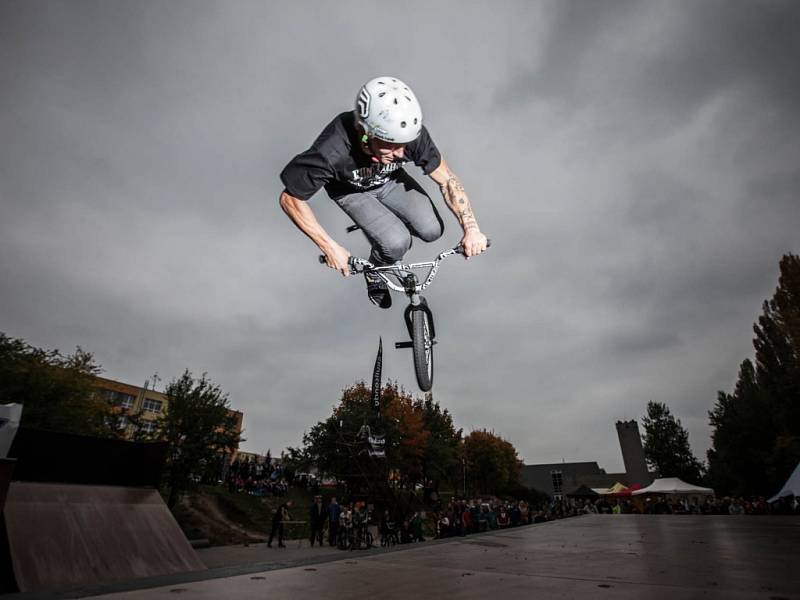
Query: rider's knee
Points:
[431, 232]
[395, 246]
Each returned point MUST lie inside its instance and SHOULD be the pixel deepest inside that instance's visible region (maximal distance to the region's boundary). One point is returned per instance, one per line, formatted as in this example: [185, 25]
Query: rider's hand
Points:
[473, 242]
[336, 257]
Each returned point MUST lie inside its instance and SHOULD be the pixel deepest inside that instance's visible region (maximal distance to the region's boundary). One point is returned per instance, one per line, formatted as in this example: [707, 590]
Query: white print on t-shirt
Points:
[367, 177]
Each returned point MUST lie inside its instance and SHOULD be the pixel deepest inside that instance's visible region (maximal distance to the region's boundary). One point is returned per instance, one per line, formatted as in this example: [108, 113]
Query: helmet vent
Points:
[381, 95]
[415, 121]
[402, 123]
[407, 98]
[395, 100]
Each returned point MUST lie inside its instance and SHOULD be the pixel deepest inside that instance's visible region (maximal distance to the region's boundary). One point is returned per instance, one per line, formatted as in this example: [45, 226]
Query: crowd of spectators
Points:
[724, 505]
[710, 505]
[257, 478]
[462, 517]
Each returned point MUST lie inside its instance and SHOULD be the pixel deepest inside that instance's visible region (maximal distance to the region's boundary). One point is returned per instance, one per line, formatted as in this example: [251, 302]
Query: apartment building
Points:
[138, 408]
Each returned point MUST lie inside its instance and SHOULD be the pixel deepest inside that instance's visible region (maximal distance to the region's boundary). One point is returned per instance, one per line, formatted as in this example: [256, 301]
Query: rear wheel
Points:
[422, 345]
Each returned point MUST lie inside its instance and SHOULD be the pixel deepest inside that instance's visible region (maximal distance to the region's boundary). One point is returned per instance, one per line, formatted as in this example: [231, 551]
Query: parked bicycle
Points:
[356, 538]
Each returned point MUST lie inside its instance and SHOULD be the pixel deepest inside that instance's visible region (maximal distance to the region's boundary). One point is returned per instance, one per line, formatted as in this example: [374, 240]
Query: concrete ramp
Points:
[62, 536]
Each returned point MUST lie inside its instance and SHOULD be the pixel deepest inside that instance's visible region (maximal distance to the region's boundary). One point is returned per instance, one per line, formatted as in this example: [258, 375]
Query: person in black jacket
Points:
[316, 518]
[280, 515]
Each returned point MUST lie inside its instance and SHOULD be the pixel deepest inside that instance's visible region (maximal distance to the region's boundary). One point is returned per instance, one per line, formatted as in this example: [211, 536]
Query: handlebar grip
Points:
[351, 261]
[460, 249]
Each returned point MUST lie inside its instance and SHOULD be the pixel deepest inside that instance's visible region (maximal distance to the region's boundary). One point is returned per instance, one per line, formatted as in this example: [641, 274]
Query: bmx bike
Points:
[401, 278]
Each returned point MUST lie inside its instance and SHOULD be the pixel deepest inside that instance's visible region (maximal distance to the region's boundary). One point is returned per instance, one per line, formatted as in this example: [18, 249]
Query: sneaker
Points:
[377, 290]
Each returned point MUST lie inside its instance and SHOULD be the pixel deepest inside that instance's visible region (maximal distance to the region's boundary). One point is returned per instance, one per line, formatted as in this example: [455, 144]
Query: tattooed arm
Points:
[455, 197]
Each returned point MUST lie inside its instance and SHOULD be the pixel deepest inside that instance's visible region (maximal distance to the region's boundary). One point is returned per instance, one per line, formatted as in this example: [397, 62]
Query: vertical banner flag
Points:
[376, 379]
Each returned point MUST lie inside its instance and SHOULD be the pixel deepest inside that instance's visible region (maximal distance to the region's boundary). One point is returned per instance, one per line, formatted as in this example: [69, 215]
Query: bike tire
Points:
[422, 346]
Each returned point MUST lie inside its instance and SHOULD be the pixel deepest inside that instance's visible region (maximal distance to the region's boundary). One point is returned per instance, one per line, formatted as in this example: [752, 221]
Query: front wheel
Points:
[422, 345]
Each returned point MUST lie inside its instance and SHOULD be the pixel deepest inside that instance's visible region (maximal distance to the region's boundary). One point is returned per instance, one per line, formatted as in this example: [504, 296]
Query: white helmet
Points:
[387, 109]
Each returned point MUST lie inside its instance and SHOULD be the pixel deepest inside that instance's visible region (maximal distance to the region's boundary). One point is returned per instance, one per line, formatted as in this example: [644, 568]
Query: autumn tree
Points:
[493, 466]
[417, 435]
[666, 445]
[55, 390]
[756, 428]
[408, 438]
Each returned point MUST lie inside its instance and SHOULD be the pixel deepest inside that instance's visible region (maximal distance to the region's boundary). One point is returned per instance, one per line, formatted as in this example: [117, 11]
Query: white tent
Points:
[673, 485]
[791, 487]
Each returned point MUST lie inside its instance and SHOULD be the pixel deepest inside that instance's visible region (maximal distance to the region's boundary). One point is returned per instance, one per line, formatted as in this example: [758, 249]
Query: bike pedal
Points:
[399, 345]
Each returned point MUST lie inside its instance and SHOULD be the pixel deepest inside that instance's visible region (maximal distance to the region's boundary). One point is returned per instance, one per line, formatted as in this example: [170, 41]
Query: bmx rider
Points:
[358, 158]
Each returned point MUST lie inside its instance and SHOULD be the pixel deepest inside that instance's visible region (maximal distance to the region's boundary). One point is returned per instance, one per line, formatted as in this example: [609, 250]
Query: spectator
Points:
[280, 516]
[469, 525]
[443, 526]
[334, 511]
[416, 527]
[316, 519]
[503, 519]
[735, 507]
[483, 518]
[662, 507]
[524, 513]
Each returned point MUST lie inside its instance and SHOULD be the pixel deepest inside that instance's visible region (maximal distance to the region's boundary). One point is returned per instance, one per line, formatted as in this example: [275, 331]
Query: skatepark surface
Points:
[596, 556]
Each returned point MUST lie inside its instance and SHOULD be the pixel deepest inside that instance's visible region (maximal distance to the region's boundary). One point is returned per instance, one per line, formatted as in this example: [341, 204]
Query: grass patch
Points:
[223, 517]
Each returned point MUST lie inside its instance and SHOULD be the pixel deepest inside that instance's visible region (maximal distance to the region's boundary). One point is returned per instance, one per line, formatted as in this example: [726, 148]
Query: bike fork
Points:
[417, 302]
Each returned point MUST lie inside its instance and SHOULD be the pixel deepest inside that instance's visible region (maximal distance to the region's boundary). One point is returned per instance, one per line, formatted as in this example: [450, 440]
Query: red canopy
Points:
[629, 491]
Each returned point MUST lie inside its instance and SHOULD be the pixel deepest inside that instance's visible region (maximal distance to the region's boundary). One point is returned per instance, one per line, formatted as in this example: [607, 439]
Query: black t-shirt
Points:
[336, 162]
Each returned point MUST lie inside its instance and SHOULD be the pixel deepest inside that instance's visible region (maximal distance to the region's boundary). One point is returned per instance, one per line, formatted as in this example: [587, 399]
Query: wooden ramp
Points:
[62, 536]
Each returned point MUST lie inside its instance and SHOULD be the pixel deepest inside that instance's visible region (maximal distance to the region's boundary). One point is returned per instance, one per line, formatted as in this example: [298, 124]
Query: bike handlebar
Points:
[354, 261]
[359, 265]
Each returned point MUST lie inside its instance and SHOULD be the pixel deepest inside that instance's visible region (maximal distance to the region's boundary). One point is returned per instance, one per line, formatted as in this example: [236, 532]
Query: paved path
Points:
[252, 554]
[609, 556]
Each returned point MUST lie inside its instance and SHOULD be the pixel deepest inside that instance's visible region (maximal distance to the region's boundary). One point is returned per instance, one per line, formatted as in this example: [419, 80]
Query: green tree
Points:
[741, 438]
[493, 466]
[756, 429]
[198, 425]
[56, 391]
[666, 445]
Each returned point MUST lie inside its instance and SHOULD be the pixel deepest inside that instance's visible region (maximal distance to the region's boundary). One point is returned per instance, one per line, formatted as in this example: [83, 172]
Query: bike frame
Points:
[404, 272]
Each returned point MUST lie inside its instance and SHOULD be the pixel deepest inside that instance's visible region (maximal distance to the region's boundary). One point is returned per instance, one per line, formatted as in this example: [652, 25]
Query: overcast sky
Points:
[634, 163]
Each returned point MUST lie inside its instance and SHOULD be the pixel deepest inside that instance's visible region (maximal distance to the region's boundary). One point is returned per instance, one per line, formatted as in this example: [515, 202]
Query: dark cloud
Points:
[644, 68]
[634, 164]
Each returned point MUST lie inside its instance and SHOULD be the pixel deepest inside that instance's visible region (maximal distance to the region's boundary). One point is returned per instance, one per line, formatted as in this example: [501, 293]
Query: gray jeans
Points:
[389, 215]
